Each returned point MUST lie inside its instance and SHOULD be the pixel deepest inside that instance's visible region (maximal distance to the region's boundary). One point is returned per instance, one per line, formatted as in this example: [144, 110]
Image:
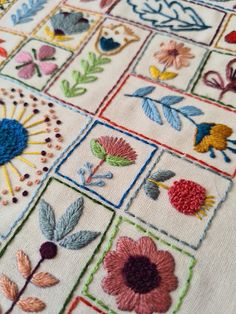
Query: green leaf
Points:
[69, 219]
[76, 76]
[65, 86]
[97, 150]
[46, 220]
[102, 60]
[85, 65]
[92, 57]
[118, 161]
[96, 70]
[79, 240]
[77, 91]
[88, 79]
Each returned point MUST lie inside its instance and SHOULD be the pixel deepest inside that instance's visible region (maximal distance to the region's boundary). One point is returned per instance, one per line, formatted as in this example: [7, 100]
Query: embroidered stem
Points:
[160, 184]
[25, 286]
[89, 179]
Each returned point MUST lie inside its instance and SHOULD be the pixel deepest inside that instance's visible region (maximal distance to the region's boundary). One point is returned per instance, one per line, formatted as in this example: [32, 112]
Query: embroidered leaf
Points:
[172, 15]
[118, 161]
[172, 117]
[170, 100]
[162, 175]
[69, 219]
[97, 149]
[46, 220]
[23, 263]
[31, 304]
[157, 74]
[191, 111]
[144, 91]
[71, 91]
[79, 240]
[44, 280]
[151, 190]
[27, 12]
[9, 288]
[154, 71]
[167, 76]
[151, 111]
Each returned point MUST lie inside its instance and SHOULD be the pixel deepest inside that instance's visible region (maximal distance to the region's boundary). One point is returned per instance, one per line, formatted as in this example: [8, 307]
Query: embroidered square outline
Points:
[215, 82]
[228, 35]
[32, 181]
[217, 4]
[104, 6]
[88, 173]
[170, 182]
[28, 68]
[152, 98]
[118, 224]
[48, 250]
[168, 73]
[49, 34]
[80, 300]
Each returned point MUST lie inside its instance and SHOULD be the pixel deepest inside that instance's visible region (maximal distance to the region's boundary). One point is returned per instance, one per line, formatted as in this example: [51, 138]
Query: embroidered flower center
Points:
[173, 52]
[13, 140]
[140, 274]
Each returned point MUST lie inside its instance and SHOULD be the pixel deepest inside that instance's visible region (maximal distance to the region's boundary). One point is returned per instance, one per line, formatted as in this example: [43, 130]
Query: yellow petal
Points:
[155, 73]
[167, 75]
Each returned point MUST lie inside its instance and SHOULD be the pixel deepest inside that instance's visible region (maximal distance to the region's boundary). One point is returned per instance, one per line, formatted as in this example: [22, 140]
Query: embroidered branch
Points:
[27, 11]
[114, 151]
[186, 196]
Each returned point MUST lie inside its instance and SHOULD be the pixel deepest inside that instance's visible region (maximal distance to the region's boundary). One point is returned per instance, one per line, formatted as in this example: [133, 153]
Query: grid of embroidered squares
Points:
[117, 151]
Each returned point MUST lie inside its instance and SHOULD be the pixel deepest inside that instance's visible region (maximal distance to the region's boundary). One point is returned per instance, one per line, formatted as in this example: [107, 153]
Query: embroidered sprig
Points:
[208, 136]
[91, 66]
[27, 12]
[53, 231]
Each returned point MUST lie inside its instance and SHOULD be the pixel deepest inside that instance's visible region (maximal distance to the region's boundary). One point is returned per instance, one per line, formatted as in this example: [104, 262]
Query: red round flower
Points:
[140, 276]
[187, 196]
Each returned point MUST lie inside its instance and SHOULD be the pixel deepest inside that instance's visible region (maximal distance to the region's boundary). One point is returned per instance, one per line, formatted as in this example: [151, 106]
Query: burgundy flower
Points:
[140, 276]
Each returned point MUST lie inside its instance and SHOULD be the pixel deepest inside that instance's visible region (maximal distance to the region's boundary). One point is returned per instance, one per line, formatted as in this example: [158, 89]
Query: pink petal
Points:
[45, 52]
[145, 305]
[23, 57]
[114, 262]
[127, 299]
[27, 71]
[47, 67]
[159, 301]
[165, 262]
[168, 282]
[113, 285]
[127, 247]
[147, 247]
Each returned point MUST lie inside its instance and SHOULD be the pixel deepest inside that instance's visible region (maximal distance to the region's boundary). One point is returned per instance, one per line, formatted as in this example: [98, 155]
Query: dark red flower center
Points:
[173, 52]
[140, 274]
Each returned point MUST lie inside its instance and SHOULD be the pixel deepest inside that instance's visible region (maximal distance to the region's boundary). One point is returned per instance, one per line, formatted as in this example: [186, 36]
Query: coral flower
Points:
[140, 276]
[174, 54]
[37, 61]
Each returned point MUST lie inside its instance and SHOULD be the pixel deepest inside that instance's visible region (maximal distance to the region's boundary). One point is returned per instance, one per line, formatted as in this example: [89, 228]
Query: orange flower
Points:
[174, 54]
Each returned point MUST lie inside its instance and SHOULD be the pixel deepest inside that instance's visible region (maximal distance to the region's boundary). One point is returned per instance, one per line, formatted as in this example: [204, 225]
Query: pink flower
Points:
[140, 276]
[38, 62]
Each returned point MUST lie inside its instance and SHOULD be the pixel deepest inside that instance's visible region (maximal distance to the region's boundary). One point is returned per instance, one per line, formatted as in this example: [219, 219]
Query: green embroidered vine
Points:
[91, 66]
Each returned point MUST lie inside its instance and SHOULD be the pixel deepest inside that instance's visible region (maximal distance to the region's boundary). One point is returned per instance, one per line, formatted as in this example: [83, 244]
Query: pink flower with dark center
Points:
[38, 61]
[140, 276]
[187, 196]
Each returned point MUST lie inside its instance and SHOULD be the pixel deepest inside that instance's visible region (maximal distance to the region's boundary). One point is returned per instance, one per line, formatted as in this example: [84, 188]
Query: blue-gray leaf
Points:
[162, 175]
[79, 240]
[151, 190]
[172, 117]
[171, 100]
[144, 91]
[191, 111]
[46, 220]
[151, 111]
[69, 219]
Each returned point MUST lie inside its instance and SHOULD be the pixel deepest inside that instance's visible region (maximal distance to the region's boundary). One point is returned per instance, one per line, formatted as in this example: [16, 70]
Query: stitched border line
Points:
[103, 117]
[214, 5]
[78, 300]
[174, 33]
[125, 194]
[71, 9]
[78, 54]
[165, 83]
[225, 106]
[222, 33]
[7, 233]
[28, 85]
[2, 252]
[184, 290]
[203, 236]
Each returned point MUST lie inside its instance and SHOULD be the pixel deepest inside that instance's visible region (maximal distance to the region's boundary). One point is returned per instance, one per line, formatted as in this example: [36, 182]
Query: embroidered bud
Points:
[48, 250]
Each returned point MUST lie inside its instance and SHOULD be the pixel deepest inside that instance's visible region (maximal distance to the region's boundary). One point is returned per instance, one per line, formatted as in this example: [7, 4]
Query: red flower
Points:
[140, 276]
[3, 52]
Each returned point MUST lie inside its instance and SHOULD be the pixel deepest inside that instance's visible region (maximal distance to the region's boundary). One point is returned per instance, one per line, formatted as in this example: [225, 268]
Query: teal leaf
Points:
[172, 117]
[69, 219]
[170, 100]
[144, 91]
[151, 190]
[151, 111]
[162, 175]
[46, 220]
[191, 111]
[171, 15]
[79, 240]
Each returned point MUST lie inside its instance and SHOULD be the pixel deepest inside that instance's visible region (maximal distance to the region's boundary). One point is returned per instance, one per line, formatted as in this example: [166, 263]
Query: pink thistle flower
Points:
[38, 61]
[140, 276]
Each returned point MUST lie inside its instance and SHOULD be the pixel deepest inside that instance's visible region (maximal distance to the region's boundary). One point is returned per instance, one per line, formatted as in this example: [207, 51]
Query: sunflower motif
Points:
[28, 136]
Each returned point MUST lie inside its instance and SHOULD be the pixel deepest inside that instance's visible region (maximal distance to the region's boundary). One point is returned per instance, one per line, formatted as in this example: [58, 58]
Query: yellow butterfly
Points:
[157, 74]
